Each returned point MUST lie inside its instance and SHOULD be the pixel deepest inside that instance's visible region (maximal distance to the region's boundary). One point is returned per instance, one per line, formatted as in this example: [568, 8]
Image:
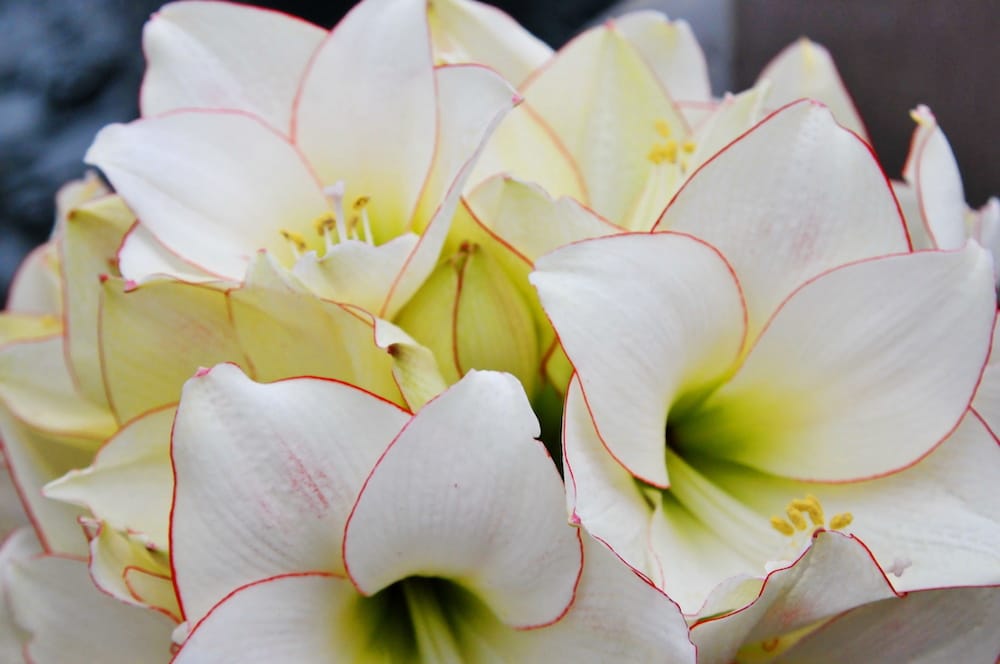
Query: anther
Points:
[810, 506]
[796, 517]
[662, 128]
[662, 152]
[361, 202]
[782, 526]
[296, 239]
[324, 223]
[689, 146]
[841, 520]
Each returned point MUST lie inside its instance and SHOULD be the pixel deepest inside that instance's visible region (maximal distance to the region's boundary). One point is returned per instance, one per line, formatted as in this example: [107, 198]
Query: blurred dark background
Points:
[68, 67]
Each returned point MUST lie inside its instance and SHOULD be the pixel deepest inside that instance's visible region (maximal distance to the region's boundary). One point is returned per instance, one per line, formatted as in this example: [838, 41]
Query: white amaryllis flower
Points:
[836, 604]
[348, 174]
[313, 521]
[789, 368]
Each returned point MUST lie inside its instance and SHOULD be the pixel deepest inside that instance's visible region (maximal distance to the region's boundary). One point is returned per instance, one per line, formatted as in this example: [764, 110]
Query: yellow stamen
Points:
[324, 222]
[688, 146]
[295, 238]
[796, 517]
[810, 506]
[841, 520]
[361, 202]
[662, 152]
[662, 128]
[782, 526]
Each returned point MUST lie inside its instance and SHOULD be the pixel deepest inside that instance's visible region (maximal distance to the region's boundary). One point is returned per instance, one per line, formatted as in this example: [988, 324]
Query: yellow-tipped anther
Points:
[324, 222]
[662, 152]
[689, 146]
[663, 128]
[919, 118]
[810, 506]
[796, 517]
[782, 526]
[361, 202]
[295, 238]
[841, 520]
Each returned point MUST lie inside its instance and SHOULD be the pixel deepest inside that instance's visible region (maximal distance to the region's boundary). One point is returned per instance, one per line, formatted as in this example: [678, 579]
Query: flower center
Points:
[333, 226]
[424, 619]
[668, 150]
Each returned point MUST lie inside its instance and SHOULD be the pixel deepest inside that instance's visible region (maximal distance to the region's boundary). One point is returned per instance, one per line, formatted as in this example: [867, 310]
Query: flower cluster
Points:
[414, 341]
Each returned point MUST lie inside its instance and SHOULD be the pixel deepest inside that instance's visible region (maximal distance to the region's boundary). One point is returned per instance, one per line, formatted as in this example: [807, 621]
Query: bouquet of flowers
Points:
[414, 341]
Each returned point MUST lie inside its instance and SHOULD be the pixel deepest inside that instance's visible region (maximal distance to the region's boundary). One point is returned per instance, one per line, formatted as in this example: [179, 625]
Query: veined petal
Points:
[225, 55]
[472, 101]
[35, 287]
[611, 125]
[623, 306]
[187, 323]
[671, 51]
[35, 458]
[17, 545]
[932, 171]
[38, 388]
[55, 601]
[212, 186]
[129, 484]
[832, 391]
[527, 219]
[616, 616]
[88, 244]
[780, 204]
[987, 401]
[805, 69]
[463, 31]
[122, 566]
[266, 476]
[941, 625]
[347, 121]
[909, 204]
[928, 526]
[788, 599]
[286, 331]
[142, 258]
[732, 117]
[466, 493]
[303, 618]
[600, 494]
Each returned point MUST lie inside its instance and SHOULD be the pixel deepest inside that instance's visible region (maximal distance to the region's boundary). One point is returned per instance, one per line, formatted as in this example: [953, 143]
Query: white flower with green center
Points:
[348, 175]
[796, 373]
[314, 521]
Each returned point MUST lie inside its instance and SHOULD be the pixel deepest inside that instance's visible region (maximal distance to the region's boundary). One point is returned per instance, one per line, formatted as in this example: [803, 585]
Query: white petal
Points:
[266, 476]
[733, 116]
[350, 119]
[802, 195]
[122, 566]
[130, 484]
[849, 379]
[805, 69]
[610, 126]
[672, 52]
[946, 625]
[932, 171]
[601, 494]
[143, 258]
[624, 306]
[464, 31]
[466, 494]
[617, 616]
[35, 287]
[789, 598]
[987, 401]
[19, 545]
[72, 622]
[222, 55]
[297, 618]
[212, 186]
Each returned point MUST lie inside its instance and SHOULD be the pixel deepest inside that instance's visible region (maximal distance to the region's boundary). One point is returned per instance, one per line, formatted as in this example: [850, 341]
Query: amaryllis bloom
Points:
[313, 521]
[778, 363]
[327, 175]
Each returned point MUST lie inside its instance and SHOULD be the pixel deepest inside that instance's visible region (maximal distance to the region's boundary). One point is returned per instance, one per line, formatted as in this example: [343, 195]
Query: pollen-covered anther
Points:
[324, 223]
[689, 146]
[295, 239]
[661, 152]
[810, 506]
[796, 518]
[841, 520]
[662, 128]
[782, 526]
